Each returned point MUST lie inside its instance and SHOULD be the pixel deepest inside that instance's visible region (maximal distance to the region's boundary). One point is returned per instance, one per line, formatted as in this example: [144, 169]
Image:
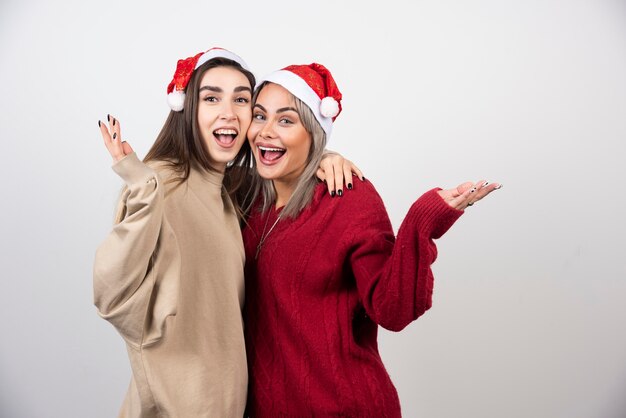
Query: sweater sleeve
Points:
[395, 280]
[122, 288]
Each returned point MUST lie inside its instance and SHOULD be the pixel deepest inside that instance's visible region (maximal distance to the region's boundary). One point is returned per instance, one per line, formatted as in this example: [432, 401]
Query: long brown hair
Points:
[180, 143]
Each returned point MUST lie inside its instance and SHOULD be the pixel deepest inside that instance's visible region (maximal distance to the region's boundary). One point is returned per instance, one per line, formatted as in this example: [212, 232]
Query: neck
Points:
[284, 190]
[219, 167]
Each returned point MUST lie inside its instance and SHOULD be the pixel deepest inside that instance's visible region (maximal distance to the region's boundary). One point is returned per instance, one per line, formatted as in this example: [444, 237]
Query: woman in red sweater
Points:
[322, 273]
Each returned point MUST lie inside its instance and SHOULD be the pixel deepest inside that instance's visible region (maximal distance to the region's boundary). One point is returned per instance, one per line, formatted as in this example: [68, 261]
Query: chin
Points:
[267, 173]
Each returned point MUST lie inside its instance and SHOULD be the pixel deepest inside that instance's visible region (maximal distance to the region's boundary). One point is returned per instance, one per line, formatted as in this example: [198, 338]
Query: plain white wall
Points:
[529, 309]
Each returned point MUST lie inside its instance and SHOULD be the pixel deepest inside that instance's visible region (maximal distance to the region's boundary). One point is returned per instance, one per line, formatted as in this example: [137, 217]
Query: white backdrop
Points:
[529, 309]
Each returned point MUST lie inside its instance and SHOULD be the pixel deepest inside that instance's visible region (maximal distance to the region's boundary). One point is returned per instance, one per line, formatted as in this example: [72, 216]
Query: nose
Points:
[267, 131]
[227, 112]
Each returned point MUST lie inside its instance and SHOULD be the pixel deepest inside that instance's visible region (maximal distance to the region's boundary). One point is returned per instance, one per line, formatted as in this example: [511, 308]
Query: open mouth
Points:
[225, 137]
[270, 155]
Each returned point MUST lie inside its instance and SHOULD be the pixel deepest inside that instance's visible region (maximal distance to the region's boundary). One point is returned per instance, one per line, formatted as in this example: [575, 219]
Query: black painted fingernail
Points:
[113, 121]
[349, 186]
[339, 192]
[108, 118]
[98, 124]
[324, 181]
[332, 194]
[363, 178]
[114, 135]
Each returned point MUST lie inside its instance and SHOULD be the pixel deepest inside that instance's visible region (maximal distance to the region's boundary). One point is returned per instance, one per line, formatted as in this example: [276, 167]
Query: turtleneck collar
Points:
[200, 177]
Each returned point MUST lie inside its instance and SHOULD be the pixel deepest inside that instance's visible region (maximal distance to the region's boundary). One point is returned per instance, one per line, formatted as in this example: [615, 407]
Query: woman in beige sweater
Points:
[169, 276]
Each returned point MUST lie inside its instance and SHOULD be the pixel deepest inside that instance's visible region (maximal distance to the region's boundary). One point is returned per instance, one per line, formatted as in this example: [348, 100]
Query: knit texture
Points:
[169, 277]
[315, 296]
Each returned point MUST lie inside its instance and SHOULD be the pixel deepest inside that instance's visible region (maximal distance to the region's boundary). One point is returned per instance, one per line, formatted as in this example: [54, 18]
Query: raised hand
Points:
[335, 171]
[112, 137]
[468, 193]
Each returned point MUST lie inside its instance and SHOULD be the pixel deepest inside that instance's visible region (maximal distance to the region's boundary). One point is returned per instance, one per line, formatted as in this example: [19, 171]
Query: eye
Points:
[211, 99]
[258, 116]
[242, 100]
[286, 121]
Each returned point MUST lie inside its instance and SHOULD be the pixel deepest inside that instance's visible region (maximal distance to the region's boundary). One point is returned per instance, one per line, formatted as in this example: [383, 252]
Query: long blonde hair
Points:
[303, 193]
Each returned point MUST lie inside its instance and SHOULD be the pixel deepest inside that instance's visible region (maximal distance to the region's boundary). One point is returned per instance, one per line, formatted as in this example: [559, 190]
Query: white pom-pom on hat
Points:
[176, 100]
[329, 107]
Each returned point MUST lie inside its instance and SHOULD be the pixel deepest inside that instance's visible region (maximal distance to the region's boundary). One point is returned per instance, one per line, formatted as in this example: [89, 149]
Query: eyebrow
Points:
[282, 109]
[220, 90]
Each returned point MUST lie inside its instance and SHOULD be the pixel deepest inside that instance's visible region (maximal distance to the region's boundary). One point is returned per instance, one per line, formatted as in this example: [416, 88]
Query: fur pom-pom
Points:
[176, 100]
[329, 107]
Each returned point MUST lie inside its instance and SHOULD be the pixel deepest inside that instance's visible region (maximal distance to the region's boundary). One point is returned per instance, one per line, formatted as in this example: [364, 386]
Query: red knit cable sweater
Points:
[321, 285]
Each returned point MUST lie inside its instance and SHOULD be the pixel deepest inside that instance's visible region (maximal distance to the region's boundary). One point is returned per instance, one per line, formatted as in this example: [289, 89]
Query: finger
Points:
[108, 141]
[477, 192]
[472, 197]
[321, 175]
[465, 198]
[485, 189]
[457, 196]
[103, 131]
[327, 175]
[117, 133]
[115, 127]
[461, 201]
[330, 180]
[115, 144]
[127, 148]
[339, 177]
[463, 187]
[356, 171]
[347, 173]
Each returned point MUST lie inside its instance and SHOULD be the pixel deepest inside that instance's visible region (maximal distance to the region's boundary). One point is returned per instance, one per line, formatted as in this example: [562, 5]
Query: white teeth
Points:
[270, 149]
[225, 132]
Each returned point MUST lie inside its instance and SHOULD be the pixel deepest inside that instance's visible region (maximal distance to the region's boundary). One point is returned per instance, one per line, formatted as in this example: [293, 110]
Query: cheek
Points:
[203, 116]
[244, 112]
[303, 146]
[304, 151]
[253, 130]
[245, 117]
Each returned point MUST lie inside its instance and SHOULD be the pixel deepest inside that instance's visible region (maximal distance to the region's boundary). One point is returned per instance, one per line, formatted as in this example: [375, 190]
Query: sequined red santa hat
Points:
[186, 67]
[315, 86]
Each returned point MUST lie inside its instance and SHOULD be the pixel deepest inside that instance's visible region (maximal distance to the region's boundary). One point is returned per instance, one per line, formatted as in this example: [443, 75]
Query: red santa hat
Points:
[315, 86]
[186, 67]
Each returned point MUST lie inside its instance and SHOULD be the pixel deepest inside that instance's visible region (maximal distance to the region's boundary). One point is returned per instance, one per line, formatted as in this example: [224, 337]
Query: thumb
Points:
[462, 188]
[127, 148]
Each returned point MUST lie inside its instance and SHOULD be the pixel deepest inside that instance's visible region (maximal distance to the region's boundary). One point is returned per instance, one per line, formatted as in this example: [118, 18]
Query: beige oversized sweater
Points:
[169, 277]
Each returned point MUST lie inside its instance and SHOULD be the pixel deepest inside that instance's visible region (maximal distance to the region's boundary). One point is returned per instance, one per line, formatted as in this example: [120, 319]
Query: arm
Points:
[122, 290]
[122, 287]
[395, 281]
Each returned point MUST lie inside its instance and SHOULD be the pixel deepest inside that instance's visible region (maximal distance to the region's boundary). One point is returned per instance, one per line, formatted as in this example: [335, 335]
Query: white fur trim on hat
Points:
[176, 100]
[221, 53]
[299, 88]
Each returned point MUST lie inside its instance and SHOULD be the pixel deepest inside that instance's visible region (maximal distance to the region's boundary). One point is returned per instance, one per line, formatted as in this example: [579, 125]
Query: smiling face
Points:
[278, 138]
[224, 113]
